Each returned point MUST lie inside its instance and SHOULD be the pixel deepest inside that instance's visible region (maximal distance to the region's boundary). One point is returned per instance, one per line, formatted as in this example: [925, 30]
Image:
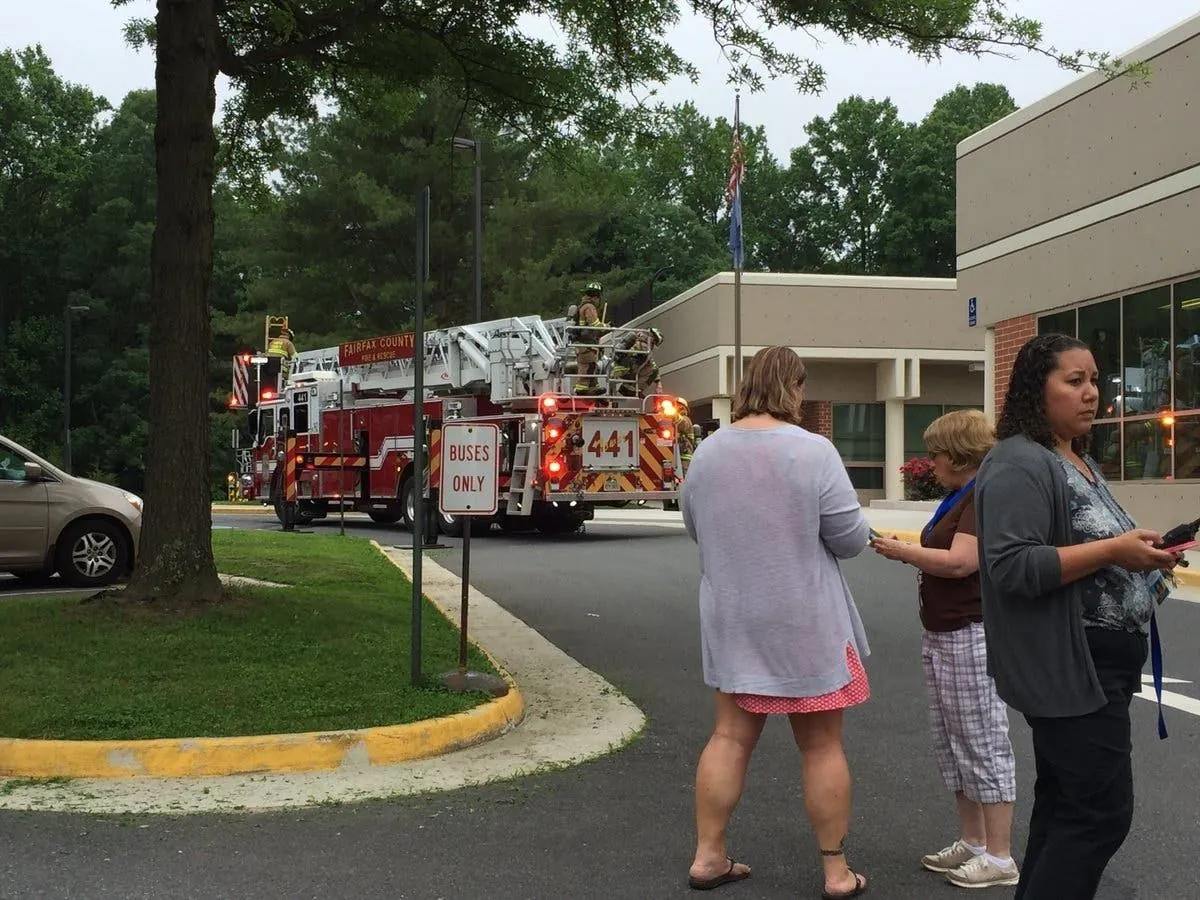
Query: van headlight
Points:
[134, 500]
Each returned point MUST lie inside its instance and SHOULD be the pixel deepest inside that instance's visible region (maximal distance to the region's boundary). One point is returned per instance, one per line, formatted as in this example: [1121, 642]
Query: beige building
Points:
[1081, 213]
[885, 357]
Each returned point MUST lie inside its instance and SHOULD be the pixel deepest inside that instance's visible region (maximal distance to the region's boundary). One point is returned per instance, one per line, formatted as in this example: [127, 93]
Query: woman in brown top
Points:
[969, 721]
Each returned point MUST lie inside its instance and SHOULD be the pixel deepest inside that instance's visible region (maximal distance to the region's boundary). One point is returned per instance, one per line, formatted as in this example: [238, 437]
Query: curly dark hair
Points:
[1025, 404]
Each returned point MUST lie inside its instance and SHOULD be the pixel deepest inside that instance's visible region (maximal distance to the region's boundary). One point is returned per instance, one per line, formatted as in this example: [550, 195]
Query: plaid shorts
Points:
[968, 719]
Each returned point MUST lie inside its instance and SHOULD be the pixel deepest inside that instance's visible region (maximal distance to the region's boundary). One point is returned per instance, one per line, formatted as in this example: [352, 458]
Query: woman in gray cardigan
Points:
[1068, 585]
[773, 511]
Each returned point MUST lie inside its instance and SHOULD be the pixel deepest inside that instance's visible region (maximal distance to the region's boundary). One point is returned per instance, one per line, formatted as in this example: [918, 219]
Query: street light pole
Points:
[67, 383]
[477, 146]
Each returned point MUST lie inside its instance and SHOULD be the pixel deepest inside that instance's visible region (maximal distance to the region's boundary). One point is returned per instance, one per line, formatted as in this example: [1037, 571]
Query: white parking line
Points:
[1171, 699]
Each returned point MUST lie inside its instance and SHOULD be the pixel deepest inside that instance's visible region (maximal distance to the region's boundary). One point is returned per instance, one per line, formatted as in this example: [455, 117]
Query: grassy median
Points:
[329, 652]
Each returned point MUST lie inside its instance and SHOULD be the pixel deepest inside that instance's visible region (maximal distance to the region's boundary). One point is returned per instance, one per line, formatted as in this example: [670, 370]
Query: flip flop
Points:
[860, 888]
[707, 884]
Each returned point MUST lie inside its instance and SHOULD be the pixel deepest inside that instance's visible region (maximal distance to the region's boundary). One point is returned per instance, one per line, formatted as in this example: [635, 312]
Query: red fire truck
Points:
[347, 412]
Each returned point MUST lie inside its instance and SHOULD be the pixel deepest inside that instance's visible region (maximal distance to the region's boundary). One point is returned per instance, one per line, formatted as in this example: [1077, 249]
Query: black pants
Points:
[1083, 797]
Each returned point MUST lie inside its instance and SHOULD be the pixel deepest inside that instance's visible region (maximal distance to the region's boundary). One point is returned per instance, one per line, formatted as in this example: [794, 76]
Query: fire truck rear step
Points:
[521, 487]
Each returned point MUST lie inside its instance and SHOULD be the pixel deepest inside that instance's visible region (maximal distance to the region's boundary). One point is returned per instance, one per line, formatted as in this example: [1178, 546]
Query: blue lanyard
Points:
[1156, 665]
[946, 505]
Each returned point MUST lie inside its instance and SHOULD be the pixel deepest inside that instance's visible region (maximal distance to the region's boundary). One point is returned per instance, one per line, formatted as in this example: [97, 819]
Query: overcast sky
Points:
[83, 38]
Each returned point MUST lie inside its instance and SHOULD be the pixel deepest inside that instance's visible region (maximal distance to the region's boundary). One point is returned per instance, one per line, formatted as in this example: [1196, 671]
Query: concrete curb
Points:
[1185, 577]
[267, 753]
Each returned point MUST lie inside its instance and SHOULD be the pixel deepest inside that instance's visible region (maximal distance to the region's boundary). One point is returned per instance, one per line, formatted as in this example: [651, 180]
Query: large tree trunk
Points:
[176, 565]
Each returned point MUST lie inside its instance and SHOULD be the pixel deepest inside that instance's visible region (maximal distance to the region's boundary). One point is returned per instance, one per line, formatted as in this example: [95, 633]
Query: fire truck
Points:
[347, 413]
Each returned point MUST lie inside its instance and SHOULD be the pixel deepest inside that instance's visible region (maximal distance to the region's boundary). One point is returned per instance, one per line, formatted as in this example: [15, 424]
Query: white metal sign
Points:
[470, 469]
[611, 443]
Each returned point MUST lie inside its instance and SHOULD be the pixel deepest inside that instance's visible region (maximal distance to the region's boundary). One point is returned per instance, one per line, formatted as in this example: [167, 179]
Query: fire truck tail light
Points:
[667, 433]
[667, 408]
[549, 404]
[268, 394]
[554, 430]
[554, 466]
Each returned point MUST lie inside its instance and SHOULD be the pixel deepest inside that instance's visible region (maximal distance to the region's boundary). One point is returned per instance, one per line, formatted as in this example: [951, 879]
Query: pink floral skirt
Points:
[856, 692]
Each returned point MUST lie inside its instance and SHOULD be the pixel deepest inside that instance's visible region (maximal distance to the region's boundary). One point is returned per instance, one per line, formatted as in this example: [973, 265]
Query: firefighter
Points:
[282, 348]
[634, 368]
[683, 435]
[591, 330]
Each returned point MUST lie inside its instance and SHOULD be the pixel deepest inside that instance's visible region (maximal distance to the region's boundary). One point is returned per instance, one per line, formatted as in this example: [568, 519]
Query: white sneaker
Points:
[948, 858]
[981, 872]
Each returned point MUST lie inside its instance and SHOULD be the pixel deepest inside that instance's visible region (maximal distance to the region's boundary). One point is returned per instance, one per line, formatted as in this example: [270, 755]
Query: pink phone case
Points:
[1179, 548]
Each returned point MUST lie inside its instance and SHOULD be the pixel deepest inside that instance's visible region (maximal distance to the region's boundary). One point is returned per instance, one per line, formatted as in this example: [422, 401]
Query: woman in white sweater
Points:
[772, 509]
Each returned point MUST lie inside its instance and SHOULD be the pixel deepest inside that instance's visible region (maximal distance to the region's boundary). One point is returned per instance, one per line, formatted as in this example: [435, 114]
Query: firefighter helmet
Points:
[593, 289]
[656, 337]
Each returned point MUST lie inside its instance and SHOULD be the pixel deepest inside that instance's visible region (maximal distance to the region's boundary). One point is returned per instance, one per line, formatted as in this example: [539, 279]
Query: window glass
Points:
[1187, 344]
[1106, 449]
[866, 478]
[1100, 328]
[1147, 449]
[300, 412]
[1147, 382]
[917, 417]
[1058, 323]
[12, 465]
[1187, 447]
[858, 431]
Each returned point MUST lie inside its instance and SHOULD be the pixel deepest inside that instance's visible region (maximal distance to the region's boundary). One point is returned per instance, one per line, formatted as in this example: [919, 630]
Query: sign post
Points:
[418, 344]
[470, 487]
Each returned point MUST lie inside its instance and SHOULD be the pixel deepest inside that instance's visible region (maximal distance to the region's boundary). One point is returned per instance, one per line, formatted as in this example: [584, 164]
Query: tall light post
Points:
[477, 147]
[654, 279]
[67, 382]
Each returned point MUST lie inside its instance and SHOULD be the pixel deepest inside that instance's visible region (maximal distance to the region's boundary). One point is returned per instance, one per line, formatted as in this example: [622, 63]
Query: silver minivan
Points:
[50, 521]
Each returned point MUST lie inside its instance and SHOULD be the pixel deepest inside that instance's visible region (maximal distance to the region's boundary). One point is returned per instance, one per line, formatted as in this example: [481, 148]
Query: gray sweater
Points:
[773, 511]
[1037, 649]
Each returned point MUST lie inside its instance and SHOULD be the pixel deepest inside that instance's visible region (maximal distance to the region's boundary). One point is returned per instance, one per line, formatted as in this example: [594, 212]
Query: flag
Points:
[733, 192]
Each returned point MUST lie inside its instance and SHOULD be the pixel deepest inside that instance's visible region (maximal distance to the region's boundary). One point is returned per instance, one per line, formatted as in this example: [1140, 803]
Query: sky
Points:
[83, 39]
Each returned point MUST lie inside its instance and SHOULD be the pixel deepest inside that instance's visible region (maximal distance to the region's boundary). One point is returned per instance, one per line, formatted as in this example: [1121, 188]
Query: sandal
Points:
[860, 881]
[707, 884]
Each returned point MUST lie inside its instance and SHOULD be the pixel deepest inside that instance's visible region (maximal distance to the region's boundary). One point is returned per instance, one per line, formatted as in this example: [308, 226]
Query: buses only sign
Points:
[470, 469]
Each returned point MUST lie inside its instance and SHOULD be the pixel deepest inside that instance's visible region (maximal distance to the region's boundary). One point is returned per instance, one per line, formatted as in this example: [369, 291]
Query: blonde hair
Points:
[964, 435]
[769, 386]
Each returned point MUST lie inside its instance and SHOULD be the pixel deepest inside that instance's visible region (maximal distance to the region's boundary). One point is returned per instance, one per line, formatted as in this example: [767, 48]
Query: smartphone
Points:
[875, 535]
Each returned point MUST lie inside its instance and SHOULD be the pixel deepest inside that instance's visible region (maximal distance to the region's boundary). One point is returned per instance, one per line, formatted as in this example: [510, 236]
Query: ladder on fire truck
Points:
[511, 359]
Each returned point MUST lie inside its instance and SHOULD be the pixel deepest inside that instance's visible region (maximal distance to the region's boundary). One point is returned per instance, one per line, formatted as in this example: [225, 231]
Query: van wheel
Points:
[92, 553]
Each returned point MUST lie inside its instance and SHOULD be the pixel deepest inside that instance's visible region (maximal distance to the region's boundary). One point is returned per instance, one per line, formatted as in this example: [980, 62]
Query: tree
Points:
[918, 229]
[844, 171]
[281, 55]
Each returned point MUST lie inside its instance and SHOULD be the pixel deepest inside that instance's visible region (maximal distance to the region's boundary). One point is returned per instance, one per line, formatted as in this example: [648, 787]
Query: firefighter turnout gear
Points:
[586, 333]
[634, 370]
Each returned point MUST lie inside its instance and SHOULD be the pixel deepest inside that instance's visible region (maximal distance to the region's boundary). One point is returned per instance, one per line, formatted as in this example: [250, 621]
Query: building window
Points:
[1058, 323]
[866, 478]
[858, 431]
[1187, 345]
[1147, 347]
[918, 417]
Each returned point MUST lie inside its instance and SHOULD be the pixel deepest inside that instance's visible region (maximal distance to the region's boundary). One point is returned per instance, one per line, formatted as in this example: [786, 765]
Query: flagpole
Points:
[737, 270]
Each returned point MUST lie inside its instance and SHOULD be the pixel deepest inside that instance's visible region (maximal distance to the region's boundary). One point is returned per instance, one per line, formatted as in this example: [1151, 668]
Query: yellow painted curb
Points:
[312, 751]
[1185, 577]
[306, 752]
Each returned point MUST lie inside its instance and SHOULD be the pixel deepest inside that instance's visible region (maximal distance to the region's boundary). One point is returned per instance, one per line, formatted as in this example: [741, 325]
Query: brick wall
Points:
[1011, 335]
[817, 417]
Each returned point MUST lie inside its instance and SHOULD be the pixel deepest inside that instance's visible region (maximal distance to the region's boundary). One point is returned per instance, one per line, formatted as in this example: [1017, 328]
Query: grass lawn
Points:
[330, 652]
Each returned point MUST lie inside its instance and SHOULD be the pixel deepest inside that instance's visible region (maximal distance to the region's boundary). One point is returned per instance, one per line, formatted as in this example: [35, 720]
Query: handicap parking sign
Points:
[973, 312]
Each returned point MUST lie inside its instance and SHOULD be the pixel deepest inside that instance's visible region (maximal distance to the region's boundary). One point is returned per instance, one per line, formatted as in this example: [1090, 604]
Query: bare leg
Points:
[720, 780]
[998, 818]
[971, 823]
[826, 789]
